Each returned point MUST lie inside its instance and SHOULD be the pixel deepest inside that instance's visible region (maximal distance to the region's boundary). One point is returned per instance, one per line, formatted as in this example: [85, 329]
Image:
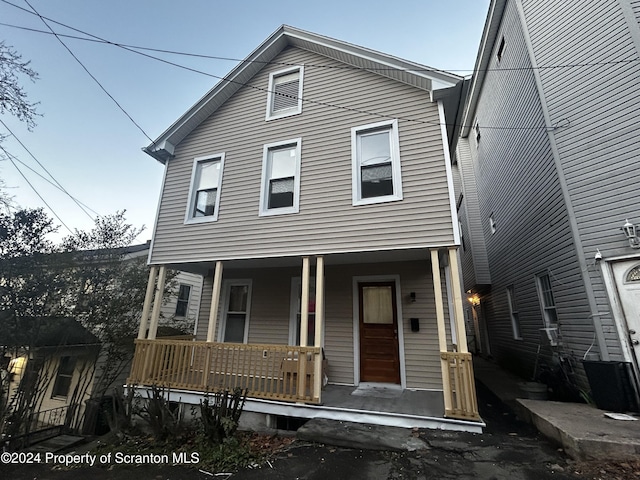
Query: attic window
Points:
[285, 93]
[500, 50]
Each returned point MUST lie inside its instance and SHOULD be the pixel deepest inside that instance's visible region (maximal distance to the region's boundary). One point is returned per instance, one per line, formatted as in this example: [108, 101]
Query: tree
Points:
[13, 98]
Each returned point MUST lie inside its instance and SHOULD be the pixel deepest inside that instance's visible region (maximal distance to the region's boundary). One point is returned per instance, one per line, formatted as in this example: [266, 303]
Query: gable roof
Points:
[420, 76]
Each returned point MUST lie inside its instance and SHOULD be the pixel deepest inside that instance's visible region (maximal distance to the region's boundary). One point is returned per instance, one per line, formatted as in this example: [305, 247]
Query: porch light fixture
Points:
[474, 299]
[629, 230]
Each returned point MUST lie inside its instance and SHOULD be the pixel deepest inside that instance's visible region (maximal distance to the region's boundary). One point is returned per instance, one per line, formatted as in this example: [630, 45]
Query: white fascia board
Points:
[491, 27]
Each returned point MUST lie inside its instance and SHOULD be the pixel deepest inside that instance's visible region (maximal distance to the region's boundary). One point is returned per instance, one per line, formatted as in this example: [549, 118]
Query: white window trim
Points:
[543, 307]
[226, 288]
[516, 328]
[291, 111]
[264, 189]
[189, 218]
[395, 164]
[186, 315]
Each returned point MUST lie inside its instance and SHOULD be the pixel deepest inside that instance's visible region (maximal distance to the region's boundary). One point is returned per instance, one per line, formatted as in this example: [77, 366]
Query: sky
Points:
[93, 149]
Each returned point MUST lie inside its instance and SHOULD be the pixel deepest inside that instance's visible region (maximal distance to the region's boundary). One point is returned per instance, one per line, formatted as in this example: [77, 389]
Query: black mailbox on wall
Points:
[415, 324]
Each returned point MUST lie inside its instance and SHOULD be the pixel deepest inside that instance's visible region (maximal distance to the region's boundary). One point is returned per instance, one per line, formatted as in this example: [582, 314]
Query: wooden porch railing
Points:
[464, 404]
[267, 371]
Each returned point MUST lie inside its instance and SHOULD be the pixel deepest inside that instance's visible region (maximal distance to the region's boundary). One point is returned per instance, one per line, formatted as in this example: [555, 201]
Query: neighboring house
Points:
[312, 188]
[548, 157]
[63, 369]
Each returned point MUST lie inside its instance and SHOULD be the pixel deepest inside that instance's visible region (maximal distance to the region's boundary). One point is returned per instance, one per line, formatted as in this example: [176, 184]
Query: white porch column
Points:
[456, 288]
[304, 307]
[319, 301]
[215, 302]
[442, 332]
[148, 299]
[317, 387]
[157, 303]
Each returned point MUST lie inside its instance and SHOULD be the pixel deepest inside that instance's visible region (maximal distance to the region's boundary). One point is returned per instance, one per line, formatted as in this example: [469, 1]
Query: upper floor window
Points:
[285, 93]
[500, 50]
[375, 152]
[280, 188]
[204, 196]
[547, 301]
[182, 304]
[514, 313]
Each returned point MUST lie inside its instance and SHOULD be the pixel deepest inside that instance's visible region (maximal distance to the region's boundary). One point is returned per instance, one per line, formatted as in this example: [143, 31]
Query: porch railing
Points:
[464, 404]
[273, 372]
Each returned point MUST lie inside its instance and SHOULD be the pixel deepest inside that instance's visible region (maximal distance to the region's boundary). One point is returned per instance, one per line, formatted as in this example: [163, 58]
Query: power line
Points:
[34, 189]
[57, 184]
[266, 90]
[271, 62]
[89, 73]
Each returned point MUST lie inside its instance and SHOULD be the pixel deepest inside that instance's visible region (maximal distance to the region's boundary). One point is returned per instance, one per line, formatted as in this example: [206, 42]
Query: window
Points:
[285, 93]
[236, 312]
[182, 305]
[500, 50]
[513, 312]
[63, 378]
[280, 189]
[296, 310]
[204, 197]
[547, 302]
[492, 224]
[375, 156]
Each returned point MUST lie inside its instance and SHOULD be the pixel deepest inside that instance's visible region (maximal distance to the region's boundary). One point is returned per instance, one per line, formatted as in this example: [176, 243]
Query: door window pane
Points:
[377, 305]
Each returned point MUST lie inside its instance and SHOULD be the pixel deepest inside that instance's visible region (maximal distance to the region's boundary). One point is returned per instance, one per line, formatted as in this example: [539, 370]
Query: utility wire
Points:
[34, 189]
[266, 90]
[271, 62]
[57, 184]
[89, 73]
[8, 154]
[262, 89]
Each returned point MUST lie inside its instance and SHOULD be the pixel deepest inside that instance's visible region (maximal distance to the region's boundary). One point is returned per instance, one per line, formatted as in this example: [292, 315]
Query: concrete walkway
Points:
[582, 430]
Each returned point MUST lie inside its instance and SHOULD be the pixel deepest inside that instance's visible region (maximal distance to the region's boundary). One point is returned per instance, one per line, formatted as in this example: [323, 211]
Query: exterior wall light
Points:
[629, 230]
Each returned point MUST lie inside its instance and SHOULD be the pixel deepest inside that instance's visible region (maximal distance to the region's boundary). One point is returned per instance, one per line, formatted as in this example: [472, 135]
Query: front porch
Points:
[285, 377]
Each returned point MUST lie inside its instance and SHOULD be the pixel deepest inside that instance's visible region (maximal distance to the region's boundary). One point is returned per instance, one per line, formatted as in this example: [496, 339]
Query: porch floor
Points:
[371, 404]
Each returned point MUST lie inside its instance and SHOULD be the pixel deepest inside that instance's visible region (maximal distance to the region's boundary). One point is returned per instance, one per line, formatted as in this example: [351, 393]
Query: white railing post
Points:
[148, 299]
[442, 332]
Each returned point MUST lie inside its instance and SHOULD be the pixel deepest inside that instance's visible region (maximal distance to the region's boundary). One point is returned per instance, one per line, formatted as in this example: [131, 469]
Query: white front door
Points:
[627, 278]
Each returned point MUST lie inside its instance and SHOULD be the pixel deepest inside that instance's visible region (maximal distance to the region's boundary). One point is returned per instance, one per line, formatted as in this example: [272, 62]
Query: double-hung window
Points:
[547, 302]
[513, 313]
[235, 326]
[375, 156]
[204, 195]
[285, 93]
[62, 384]
[280, 188]
[182, 304]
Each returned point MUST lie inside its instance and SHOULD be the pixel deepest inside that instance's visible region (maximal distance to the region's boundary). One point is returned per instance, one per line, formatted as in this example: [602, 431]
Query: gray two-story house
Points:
[548, 160]
[312, 188]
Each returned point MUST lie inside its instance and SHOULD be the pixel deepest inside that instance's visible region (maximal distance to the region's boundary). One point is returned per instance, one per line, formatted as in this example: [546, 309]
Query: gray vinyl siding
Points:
[635, 6]
[270, 315]
[327, 221]
[194, 281]
[475, 263]
[518, 183]
[599, 151]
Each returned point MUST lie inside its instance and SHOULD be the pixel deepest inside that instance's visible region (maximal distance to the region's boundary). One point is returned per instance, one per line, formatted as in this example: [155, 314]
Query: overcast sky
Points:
[94, 150]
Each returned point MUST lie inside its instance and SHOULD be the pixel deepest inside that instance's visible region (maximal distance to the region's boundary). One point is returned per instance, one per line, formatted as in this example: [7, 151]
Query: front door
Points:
[627, 276]
[379, 357]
